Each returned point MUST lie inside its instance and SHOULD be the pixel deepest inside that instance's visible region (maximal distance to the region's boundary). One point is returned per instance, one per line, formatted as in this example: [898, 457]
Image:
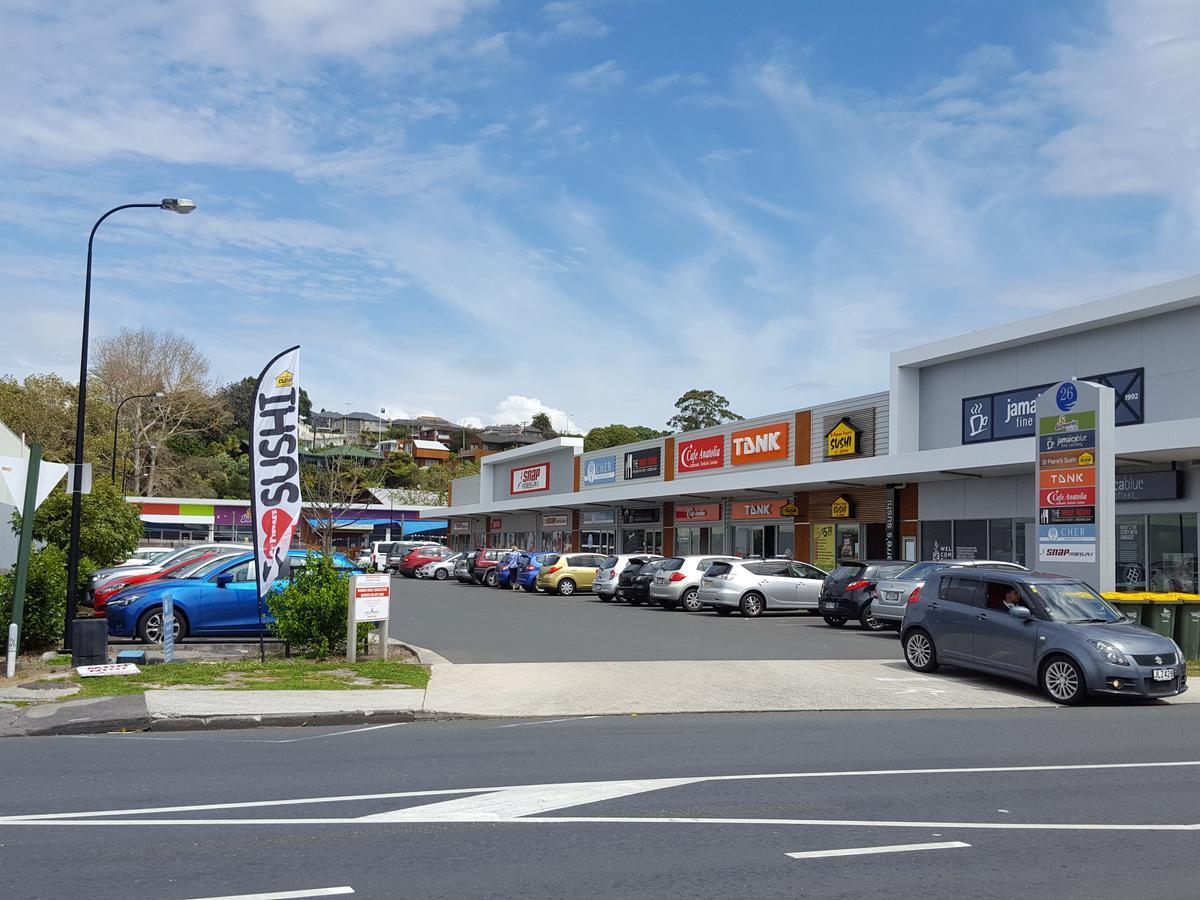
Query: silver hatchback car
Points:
[891, 596]
[677, 581]
[755, 586]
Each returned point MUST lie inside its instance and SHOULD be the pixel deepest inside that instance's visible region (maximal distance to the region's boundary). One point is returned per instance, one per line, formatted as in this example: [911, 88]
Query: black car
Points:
[634, 584]
[848, 591]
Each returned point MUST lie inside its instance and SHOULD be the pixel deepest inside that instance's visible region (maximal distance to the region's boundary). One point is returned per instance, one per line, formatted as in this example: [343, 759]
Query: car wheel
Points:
[689, 601]
[150, 626]
[752, 605]
[1062, 681]
[919, 652]
[566, 587]
[490, 578]
[440, 574]
[834, 621]
[868, 622]
[723, 610]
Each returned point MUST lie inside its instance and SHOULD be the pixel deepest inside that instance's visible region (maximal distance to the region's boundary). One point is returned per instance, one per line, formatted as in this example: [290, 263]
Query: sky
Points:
[483, 209]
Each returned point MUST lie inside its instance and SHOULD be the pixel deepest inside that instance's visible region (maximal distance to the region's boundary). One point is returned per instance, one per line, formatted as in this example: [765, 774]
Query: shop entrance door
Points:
[756, 540]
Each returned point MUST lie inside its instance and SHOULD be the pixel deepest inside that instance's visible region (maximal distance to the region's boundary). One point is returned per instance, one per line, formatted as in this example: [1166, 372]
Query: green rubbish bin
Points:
[1163, 610]
[1132, 605]
[1187, 626]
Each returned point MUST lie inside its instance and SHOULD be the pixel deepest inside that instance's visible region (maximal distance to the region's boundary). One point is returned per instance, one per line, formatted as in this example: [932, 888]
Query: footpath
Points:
[532, 690]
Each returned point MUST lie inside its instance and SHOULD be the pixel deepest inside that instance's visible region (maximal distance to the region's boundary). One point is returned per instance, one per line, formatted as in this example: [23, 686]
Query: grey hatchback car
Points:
[1047, 630]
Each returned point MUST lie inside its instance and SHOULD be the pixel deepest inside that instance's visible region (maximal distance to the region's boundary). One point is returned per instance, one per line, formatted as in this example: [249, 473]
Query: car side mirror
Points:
[224, 578]
[1019, 612]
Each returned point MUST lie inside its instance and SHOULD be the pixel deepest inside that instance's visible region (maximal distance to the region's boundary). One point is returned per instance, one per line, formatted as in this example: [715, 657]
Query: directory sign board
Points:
[1075, 481]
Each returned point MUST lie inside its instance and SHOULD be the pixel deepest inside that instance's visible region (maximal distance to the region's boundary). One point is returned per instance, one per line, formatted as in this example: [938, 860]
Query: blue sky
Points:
[480, 209]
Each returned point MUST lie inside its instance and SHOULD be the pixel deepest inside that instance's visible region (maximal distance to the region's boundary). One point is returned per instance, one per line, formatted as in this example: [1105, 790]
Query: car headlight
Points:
[1110, 653]
[124, 601]
[111, 587]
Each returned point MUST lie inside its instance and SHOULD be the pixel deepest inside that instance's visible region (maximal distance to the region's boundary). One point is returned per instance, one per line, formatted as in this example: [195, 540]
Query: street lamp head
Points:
[158, 395]
[181, 206]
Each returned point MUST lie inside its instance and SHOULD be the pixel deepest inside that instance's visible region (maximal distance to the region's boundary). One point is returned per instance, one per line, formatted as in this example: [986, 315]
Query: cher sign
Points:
[762, 443]
[842, 440]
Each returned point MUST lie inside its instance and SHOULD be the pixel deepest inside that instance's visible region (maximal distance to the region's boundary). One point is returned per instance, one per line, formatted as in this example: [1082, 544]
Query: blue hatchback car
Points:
[217, 600]
[525, 568]
[1047, 630]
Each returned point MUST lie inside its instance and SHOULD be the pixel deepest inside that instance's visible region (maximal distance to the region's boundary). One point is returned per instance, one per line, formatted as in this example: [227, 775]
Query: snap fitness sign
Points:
[701, 453]
[762, 443]
[530, 479]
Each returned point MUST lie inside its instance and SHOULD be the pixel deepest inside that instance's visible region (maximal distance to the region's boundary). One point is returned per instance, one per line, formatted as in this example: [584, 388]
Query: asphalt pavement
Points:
[1093, 802]
[467, 623]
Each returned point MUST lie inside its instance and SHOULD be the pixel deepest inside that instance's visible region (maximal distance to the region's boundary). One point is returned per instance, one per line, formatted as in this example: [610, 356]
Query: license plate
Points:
[892, 595]
[1164, 674]
[828, 604]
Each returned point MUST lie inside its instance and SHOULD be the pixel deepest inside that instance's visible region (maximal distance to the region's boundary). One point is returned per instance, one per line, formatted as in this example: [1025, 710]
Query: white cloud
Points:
[570, 19]
[602, 77]
[516, 409]
[673, 80]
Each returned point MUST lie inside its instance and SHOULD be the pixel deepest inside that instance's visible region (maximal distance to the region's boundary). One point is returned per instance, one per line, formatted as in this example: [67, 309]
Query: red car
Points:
[114, 586]
[421, 555]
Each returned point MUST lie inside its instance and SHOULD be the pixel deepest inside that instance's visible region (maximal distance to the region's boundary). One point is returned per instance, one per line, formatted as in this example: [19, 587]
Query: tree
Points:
[614, 435]
[238, 399]
[436, 479]
[42, 408]
[334, 483]
[144, 362]
[701, 409]
[541, 421]
[110, 528]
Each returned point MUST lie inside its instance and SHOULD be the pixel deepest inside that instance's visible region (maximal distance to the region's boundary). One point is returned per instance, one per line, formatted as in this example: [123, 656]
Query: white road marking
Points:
[287, 895]
[142, 736]
[548, 721]
[866, 851]
[315, 737]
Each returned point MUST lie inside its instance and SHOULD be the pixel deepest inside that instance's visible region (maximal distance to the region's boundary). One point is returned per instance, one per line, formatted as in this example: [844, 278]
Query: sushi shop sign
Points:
[842, 440]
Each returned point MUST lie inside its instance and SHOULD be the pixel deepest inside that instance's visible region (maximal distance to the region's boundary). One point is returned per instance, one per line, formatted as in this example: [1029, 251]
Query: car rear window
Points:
[882, 573]
[844, 572]
[609, 562]
[719, 568]
[550, 559]
[672, 564]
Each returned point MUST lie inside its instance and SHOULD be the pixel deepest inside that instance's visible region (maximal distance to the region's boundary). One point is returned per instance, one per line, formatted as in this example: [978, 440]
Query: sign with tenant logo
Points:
[840, 509]
[1074, 460]
[760, 443]
[698, 512]
[645, 463]
[743, 510]
[699, 454]
[530, 479]
[556, 520]
[460, 526]
[842, 440]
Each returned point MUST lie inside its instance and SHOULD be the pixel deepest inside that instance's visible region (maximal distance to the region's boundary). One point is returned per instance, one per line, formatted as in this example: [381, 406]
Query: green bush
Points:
[45, 599]
[310, 613]
[110, 528]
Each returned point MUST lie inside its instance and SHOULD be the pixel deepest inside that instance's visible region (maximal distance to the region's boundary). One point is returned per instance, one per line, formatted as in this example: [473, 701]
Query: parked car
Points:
[97, 594]
[440, 569]
[220, 600]
[506, 569]
[531, 565]
[485, 561]
[144, 556]
[401, 549]
[607, 579]
[379, 554]
[848, 591]
[566, 573]
[891, 594]
[633, 584]
[464, 566]
[677, 580]
[190, 551]
[1046, 630]
[755, 586]
[419, 556]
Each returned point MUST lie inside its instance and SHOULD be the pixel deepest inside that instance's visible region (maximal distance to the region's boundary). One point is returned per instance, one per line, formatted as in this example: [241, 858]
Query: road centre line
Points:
[548, 721]
[287, 895]
[973, 770]
[866, 851]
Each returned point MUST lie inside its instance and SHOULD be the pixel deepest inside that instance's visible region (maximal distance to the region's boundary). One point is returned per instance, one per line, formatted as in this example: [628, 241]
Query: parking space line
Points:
[287, 895]
[866, 851]
[548, 721]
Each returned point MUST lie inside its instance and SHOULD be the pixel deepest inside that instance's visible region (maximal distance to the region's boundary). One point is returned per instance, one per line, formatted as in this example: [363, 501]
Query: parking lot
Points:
[466, 623]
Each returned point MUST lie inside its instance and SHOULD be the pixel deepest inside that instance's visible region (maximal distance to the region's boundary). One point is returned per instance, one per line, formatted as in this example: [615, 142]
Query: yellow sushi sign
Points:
[842, 440]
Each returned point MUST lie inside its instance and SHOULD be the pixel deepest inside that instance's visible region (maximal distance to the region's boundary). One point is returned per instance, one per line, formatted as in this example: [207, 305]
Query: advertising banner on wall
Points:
[599, 470]
[643, 463]
[529, 479]
[1076, 504]
[698, 512]
[743, 510]
[598, 517]
[760, 443]
[700, 454]
[557, 520]
[824, 551]
[460, 526]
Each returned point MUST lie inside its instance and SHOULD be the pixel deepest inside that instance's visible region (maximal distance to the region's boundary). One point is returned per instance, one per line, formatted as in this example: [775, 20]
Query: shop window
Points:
[970, 539]
[687, 541]
[1000, 540]
[937, 541]
[1131, 553]
[1172, 552]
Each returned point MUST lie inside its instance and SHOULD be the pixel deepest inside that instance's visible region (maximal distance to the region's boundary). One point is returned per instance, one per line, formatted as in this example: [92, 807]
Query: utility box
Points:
[89, 642]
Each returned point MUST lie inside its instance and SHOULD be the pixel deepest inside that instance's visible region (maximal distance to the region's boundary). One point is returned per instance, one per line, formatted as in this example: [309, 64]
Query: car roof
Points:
[1011, 574]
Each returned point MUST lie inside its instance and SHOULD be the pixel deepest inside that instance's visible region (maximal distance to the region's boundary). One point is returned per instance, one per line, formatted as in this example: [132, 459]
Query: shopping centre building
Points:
[939, 466]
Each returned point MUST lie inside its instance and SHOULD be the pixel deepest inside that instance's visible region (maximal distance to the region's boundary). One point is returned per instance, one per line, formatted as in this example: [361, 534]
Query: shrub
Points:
[110, 527]
[45, 599]
[310, 613]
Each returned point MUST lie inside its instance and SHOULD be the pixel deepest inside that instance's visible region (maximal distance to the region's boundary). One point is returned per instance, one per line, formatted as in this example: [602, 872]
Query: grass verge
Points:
[273, 675]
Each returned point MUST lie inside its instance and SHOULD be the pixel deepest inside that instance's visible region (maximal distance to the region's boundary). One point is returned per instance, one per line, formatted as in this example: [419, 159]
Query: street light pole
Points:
[117, 418]
[182, 207]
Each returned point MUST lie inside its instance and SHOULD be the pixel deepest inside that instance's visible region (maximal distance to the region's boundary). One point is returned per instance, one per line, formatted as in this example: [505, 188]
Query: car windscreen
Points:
[846, 572]
[205, 567]
[920, 571]
[671, 564]
[1074, 602]
[609, 562]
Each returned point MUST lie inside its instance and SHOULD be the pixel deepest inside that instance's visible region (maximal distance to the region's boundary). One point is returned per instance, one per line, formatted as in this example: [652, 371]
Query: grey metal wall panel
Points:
[464, 491]
[562, 476]
[834, 411]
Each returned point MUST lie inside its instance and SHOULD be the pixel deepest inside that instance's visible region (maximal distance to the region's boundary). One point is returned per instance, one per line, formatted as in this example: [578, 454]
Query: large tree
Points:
[333, 483]
[701, 409]
[42, 408]
[143, 361]
[436, 479]
[613, 435]
[238, 398]
[541, 421]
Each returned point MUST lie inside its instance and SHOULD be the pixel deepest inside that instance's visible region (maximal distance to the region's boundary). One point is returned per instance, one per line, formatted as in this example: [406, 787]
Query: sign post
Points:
[370, 601]
[1075, 482]
[26, 542]
[168, 619]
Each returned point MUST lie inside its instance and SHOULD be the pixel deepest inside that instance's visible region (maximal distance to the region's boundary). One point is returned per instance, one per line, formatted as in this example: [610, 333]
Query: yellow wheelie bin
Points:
[1187, 625]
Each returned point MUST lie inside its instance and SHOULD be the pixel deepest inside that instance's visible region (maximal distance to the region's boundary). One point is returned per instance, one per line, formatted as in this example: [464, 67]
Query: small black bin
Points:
[89, 642]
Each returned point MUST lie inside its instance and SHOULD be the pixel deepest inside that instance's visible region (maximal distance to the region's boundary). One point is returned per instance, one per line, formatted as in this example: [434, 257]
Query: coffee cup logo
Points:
[978, 423]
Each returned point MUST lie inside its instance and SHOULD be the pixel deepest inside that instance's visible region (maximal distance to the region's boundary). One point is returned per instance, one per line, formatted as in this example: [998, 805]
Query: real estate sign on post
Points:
[1075, 482]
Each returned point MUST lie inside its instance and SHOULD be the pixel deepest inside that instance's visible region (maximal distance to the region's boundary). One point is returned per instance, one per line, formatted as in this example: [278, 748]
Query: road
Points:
[646, 806]
[466, 623]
